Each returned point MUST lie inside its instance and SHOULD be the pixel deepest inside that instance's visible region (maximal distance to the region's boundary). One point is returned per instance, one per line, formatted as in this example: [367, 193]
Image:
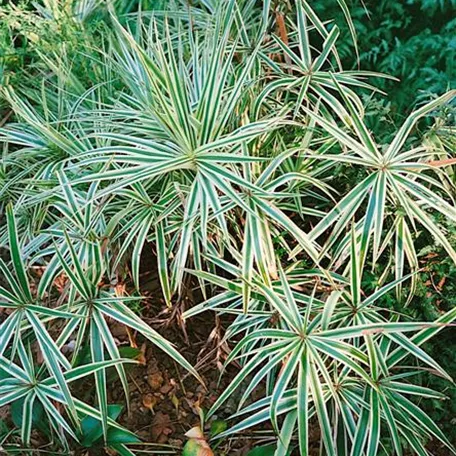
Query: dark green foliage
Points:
[413, 40]
[266, 450]
[38, 419]
[435, 294]
[92, 431]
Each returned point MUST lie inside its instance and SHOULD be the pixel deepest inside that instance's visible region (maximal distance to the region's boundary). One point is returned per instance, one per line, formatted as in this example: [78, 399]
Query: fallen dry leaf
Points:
[161, 427]
[195, 433]
[445, 162]
[194, 448]
[197, 445]
[149, 401]
[175, 401]
[142, 356]
[155, 380]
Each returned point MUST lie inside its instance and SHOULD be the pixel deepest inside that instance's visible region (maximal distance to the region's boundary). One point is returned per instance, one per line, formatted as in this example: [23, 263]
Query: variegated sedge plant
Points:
[214, 132]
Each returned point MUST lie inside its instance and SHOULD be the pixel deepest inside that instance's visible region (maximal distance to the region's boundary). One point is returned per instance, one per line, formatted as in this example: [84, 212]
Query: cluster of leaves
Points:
[412, 40]
[216, 132]
[29, 30]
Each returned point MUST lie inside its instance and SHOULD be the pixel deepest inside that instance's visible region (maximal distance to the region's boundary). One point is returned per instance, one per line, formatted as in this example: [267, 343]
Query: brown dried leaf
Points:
[155, 380]
[195, 433]
[142, 356]
[161, 427]
[149, 401]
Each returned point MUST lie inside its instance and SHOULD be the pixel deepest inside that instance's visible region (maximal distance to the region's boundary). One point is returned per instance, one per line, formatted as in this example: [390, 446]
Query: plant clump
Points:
[222, 145]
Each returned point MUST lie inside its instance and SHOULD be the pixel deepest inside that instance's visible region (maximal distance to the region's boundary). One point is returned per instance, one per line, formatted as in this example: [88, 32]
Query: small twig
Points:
[5, 119]
[136, 384]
